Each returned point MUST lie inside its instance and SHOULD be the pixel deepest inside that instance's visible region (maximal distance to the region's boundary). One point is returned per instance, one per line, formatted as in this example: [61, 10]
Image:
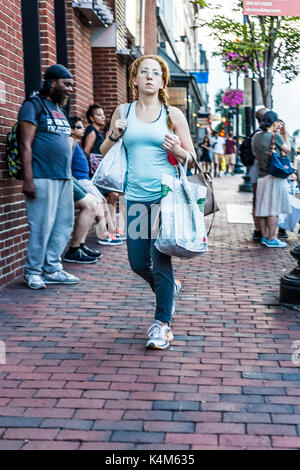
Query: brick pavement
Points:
[77, 375]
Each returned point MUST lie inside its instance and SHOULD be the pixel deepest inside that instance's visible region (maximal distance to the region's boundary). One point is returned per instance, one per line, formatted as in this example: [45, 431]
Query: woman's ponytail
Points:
[163, 96]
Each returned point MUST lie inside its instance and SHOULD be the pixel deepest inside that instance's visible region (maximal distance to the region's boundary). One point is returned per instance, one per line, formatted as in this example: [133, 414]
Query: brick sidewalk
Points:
[77, 375]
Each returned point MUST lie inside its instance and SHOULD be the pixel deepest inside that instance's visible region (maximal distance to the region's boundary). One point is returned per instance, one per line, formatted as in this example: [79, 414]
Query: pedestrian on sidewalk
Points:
[206, 158]
[257, 235]
[152, 130]
[230, 153]
[218, 146]
[293, 187]
[272, 193]
[46, 157]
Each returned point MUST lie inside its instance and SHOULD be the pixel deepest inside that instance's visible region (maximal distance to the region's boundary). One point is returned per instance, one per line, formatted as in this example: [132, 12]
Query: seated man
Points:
[78, 252]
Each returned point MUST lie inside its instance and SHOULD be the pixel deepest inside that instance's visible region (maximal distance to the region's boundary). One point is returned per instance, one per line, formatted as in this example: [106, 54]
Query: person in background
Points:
[92, 136]
[91, 142]
[78, 251]
[257, 235]
[80, 171]
[46, 156]
[206, 155]
[230, 153]
[292, 179]
[272, 193]
[218, 145]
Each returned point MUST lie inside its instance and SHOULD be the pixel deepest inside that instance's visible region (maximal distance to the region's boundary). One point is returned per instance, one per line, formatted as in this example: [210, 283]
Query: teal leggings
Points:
[146, 261]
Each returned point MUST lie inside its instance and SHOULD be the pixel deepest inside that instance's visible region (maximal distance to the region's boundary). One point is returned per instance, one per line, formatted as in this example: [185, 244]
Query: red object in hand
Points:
[172, 159]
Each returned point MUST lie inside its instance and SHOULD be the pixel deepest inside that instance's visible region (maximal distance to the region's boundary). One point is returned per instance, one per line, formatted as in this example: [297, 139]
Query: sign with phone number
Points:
[272, 7]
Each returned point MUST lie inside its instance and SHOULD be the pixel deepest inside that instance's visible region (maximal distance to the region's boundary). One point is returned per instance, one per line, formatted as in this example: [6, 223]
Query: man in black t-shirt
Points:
[46, 156]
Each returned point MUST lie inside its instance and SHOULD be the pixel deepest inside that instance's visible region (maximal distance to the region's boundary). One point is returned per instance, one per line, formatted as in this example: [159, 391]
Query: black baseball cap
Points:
[57, 71]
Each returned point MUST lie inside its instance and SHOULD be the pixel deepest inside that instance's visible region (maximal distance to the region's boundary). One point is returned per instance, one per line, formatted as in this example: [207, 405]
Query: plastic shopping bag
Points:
[110, 175]
[290, 221]
[182, 231]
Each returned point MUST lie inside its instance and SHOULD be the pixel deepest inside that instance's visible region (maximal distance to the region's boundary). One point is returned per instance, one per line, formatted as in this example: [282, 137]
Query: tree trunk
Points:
[266, 81]
[266, 85]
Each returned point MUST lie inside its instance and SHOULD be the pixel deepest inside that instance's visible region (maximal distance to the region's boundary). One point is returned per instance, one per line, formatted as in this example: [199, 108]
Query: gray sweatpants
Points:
[50, 216]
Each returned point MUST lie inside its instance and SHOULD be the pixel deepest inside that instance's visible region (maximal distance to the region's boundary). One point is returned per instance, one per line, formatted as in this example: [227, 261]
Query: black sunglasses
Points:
[78, 127]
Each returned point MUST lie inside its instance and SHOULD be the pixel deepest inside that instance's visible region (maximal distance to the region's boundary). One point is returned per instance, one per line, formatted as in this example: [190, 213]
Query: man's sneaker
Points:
[120, 235]
[177, 288]
[263, 240]
[275, 243]
[110, 240]
[89, 252]
[60, 277]
[257, 235]
[160, 336]
[282, 233]
[34, 281]
[79, 256]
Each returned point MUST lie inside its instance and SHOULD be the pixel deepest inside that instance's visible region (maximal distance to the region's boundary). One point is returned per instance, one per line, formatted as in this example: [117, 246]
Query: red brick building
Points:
[93, 40]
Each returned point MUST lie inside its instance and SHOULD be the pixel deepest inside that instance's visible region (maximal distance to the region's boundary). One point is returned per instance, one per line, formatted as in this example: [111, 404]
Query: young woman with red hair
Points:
[152, 130]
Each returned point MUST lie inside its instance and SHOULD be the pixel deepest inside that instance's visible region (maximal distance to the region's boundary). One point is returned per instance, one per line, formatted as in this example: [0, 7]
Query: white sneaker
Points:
[160, 336]
[177, 288]
[173, 308]
[34, 281]
[60, 277]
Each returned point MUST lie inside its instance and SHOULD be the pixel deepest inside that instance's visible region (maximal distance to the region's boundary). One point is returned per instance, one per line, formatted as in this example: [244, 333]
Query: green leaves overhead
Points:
[264, 44]
[202, 3]
[268, 40]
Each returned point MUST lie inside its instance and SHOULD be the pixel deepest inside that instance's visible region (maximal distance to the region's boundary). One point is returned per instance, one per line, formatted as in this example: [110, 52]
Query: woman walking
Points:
[272, 193]
[152, 130]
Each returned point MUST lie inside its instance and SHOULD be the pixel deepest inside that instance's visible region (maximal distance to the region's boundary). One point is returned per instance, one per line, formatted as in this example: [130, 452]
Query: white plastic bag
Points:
[182, 231]
[110, 175]
[290, 221]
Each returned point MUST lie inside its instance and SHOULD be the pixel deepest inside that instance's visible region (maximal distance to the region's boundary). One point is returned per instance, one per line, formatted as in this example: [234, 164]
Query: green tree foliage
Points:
[265, 45]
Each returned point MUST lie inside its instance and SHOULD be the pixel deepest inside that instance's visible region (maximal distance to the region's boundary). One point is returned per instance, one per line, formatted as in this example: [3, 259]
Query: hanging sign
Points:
[201, 77]
[272, 7]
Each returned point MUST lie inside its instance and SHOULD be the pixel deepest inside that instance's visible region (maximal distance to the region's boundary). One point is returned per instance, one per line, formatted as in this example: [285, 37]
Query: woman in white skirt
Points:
[272, 193]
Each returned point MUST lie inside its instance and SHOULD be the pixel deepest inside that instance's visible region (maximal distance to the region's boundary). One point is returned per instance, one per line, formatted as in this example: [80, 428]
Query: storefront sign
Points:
[201, 77]
[272, 7]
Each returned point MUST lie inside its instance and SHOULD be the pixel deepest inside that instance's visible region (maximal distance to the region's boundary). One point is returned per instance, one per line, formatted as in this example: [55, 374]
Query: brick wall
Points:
[13, 224]
[47, 31]
[80, 61]
[150, 44]
[100, 76]
[110, 84]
